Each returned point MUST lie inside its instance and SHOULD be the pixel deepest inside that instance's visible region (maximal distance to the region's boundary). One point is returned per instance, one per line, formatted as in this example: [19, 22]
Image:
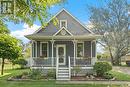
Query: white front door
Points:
[61, 54]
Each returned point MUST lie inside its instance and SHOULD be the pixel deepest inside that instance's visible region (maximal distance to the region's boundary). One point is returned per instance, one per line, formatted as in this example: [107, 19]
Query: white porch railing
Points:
[39, 62]
[57, 67]
[80, 61]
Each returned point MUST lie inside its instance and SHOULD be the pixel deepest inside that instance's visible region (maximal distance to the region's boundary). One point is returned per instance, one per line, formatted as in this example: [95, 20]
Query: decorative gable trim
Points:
[61, 30]
[70, 15]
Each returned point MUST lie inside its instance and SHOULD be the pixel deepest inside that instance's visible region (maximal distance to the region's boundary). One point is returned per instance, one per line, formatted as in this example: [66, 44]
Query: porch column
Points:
[52, 49]
[74, 42]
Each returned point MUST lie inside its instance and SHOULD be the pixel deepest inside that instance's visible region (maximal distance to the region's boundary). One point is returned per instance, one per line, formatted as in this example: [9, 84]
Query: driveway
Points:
[125, 70]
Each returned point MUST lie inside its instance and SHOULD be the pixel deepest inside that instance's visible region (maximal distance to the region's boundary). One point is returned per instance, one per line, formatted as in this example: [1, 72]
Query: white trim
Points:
[70, 15]
[64, 46]
[63, 21]
[62, 29]
[76, 50]
[47, 49]
[88, 67]
[91, 49]
[52, 49]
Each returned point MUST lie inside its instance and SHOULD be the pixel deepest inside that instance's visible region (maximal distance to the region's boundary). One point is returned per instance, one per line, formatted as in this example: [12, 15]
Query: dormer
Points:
[63, 24]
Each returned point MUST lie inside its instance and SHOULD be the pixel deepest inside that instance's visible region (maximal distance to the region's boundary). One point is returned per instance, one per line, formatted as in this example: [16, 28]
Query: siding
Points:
[72, 25]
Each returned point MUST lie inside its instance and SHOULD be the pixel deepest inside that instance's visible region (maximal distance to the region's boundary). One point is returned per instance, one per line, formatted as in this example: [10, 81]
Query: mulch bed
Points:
[83, 78]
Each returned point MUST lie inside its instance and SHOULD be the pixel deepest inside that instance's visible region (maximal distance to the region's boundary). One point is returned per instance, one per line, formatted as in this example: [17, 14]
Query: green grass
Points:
[120, 76]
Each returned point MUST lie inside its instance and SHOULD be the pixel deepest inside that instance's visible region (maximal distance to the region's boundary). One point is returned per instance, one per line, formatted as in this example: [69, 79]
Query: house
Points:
[63, 46]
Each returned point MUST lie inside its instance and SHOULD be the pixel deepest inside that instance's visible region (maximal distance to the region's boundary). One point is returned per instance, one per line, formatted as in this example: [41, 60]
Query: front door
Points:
[61, 54]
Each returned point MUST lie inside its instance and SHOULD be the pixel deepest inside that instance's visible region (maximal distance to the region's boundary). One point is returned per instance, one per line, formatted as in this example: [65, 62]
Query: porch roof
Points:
[41, 36]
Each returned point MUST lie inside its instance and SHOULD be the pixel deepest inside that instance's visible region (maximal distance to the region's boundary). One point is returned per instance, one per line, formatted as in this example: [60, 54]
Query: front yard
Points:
[51, 83]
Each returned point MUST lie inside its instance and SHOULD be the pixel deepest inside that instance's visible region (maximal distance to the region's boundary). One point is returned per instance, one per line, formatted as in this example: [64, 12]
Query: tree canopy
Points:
[112, 21]
[28, 11]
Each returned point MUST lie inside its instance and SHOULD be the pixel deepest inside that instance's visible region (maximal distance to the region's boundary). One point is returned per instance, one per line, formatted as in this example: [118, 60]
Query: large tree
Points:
[112, 21]
[28, 11]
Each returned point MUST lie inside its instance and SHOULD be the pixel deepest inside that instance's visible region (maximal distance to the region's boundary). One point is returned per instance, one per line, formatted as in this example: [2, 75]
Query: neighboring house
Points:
[64, 46]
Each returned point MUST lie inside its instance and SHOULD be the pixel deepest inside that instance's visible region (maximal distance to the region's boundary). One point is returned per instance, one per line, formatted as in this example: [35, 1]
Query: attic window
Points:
[63, 23]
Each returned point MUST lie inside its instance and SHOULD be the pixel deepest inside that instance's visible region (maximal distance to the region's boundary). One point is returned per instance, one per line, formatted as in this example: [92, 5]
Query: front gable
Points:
[63, 32]
[74, 27]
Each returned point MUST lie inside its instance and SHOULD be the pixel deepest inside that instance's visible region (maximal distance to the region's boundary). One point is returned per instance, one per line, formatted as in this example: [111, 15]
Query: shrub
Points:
[99, 56]
[51, 74]
[108, 75]
[102, 67]
[21, 62]
[76, 69]
[35, 74]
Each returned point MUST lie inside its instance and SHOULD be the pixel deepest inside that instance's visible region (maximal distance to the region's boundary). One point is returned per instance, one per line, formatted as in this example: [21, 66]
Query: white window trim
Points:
[76, 50]
[63, 21]
[47, 49]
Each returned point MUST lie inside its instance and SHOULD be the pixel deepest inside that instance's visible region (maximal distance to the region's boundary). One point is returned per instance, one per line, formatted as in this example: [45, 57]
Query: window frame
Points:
[61, 23]
[77, 50]
[47, 49]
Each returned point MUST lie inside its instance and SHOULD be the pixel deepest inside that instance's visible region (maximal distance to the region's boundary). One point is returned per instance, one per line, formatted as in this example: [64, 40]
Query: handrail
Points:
[69, 68]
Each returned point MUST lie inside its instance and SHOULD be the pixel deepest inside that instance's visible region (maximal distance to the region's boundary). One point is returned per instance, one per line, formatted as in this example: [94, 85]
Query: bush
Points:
[102, 67]
[35, 74]
[21, 62]
[108, 75]
[99, 56]
[51, 74]
[76, 69]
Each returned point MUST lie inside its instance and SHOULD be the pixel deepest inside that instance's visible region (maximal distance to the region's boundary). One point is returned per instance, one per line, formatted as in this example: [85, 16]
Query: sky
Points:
[78, 8]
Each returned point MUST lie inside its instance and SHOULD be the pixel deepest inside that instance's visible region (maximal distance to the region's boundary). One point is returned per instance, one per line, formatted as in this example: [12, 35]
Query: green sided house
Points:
[63, 47]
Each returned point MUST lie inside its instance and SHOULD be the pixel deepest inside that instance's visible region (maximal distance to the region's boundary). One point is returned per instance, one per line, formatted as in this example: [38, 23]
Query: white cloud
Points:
[25, 31]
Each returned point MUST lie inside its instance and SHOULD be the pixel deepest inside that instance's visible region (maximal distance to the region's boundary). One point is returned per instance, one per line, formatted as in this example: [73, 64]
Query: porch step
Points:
[63, 73]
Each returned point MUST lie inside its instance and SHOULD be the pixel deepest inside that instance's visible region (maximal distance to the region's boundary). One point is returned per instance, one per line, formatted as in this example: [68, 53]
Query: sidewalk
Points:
[94, 82]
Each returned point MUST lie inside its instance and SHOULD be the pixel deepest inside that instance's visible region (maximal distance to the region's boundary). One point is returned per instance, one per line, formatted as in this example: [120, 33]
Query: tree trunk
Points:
[2, 68]
[112, 59]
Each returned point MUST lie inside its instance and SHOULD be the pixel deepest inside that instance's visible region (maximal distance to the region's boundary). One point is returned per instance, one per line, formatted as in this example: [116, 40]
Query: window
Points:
[63, 23]
[80, 50]
[44, 50]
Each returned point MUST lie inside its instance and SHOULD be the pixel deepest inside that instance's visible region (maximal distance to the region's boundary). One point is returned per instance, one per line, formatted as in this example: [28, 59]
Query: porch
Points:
[63, 55]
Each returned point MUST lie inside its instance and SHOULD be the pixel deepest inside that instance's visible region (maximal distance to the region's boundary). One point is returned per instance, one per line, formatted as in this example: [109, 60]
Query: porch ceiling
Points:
[37, 36]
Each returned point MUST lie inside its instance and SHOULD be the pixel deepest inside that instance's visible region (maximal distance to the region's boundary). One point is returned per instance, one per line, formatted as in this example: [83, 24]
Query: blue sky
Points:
[78, 8]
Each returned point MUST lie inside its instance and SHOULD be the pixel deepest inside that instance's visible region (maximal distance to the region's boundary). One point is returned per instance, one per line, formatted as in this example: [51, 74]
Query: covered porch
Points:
[69, 48]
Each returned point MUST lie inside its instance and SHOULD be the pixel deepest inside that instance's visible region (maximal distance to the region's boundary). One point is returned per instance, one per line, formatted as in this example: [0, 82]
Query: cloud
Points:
[25, 31]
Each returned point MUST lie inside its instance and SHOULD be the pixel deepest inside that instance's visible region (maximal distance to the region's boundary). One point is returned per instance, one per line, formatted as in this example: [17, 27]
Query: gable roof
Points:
[70, 15]
[65, 30]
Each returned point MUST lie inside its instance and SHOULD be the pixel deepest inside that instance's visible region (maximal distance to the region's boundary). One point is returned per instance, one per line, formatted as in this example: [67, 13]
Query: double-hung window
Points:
[80, 50]
[44, 49]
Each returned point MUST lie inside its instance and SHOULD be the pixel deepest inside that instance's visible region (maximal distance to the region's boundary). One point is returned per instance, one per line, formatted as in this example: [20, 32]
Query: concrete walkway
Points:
[95, 82]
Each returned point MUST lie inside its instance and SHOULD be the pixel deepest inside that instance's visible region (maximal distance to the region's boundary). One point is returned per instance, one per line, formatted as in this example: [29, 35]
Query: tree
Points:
[28, 11]
[9, 49]
[112, 21]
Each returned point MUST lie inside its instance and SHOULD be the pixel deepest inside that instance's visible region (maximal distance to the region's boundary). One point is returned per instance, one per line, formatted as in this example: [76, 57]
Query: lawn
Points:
[5, 83]
[120, 76]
